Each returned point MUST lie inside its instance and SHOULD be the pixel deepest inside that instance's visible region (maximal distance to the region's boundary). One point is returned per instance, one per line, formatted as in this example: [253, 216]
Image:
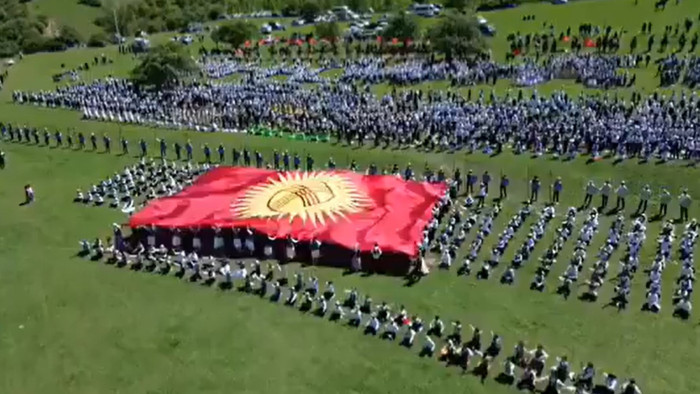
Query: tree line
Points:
[24, 31]
[455, 36]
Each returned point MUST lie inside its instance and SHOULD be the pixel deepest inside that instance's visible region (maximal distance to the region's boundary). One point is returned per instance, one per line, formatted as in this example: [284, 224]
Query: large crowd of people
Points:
[644, 127]
[458, 215]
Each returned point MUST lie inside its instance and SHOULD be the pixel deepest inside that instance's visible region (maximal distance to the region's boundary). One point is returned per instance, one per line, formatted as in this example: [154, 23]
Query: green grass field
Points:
[68, 325]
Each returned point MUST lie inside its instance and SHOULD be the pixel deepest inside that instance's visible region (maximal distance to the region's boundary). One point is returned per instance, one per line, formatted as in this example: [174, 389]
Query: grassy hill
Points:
[69, 13]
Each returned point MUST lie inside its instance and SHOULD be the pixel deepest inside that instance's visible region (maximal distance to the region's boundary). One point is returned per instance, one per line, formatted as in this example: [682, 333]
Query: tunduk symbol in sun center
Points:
[312, 196]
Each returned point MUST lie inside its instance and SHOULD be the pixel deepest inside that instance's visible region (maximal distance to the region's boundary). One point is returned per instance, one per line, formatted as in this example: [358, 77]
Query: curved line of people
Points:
[375, 320]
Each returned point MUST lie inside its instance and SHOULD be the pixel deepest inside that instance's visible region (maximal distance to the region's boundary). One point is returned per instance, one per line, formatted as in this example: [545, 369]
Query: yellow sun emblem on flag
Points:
[314, 196]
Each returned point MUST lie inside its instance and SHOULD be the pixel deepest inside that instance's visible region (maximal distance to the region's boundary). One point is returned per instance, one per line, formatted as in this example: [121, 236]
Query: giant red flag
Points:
[337, 207]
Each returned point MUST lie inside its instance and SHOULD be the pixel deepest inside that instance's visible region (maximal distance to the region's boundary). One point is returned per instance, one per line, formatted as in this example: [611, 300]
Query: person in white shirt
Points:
[653, 303]
[481, 197]
[357, 259]
[644, 197]
[391, 330]
[631, 388]
[683, 308]
[338, 312]
[507, 377]
[684, 201]
[372, 325]
[429, 347]
[610, 384]
[621, 196]
[446, 259]
[408, 338]
[591, 190]
[436, 327]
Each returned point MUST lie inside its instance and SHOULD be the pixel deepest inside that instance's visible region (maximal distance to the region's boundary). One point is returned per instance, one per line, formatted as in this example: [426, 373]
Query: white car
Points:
[425, 10]
[266, 29]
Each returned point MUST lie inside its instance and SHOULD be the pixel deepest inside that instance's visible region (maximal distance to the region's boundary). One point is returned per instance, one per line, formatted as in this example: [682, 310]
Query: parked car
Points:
[484, 27]
[277, 26]
[426, 10]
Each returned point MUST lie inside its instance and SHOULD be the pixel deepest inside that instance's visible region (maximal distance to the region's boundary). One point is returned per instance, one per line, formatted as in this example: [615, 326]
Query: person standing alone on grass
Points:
[471, 180]
[621, 195]
[644, 197]
[486, 179]
[504, 187]
[481, 197]
[534, 189]
[2, 160]
[591, 190]
[28, 194]
[605, 194]
[684, 201]
[557, 188]
[664, 199]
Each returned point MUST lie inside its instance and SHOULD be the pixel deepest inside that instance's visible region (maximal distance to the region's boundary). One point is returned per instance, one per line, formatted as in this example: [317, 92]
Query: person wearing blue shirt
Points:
[408, 173]
[503, 192]
[372, 170]
[309, 163]
[222, 153]
[557, 190]
[47, 137]
[59, 139]
[188, 149]
[297, 162]
[207, 153]
[471, 180]
[534, 189]
[144, 147]
[285, 160]
[441, 175]
[163, 148]
[81, 141]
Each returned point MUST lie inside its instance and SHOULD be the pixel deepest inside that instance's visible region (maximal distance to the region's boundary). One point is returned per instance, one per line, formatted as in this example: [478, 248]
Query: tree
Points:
[164, 66]
[309, 11]
[457, 36]
[69, 36]
[98, 40]
[402, 26]
[234, 34]
[329, 31]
